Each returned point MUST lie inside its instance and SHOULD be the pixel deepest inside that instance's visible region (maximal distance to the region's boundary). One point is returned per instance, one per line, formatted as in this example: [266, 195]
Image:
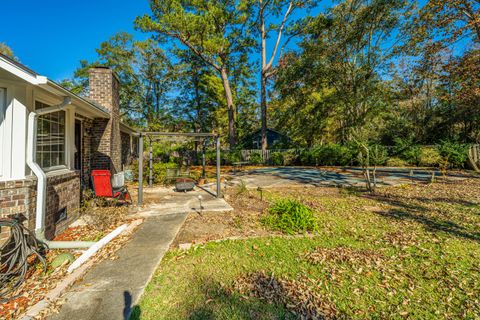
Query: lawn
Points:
[410, 251]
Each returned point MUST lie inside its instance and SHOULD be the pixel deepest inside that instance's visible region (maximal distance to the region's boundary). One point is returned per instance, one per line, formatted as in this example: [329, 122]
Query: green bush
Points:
[430, 157]
[327, 155]
[307, 158]
[232, 156]
[210, 158]
[160, 172]
[276, 158]
[453, 154]
[378, 155]
[290, 216]
[396, 162]
[256, 158]
[290, 157]
[408, 151]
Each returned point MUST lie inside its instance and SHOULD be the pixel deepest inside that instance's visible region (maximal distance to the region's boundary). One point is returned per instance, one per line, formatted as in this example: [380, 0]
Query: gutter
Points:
[42, 181]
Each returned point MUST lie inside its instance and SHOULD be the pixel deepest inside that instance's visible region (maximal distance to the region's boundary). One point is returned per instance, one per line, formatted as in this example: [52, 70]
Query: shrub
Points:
[160, 172]
[290, 157]
[210, 158]
[378, 155]
[256, 158]
[327, 155]
[430, 157]
[290, 216]
[276, 158]
[233, 156]
[405, 149]
[412, 155]
[307, 157]
[396, 162]
[453, 154]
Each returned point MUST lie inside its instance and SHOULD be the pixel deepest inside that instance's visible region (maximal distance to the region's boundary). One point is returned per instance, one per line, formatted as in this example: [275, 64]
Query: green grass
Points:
[429, 253]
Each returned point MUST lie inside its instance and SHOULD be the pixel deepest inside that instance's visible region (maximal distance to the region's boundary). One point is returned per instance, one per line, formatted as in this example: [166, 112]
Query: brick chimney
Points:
[106, 143]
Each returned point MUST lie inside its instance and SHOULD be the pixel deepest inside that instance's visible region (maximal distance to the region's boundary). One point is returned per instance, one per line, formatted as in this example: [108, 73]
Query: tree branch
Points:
[279, 37]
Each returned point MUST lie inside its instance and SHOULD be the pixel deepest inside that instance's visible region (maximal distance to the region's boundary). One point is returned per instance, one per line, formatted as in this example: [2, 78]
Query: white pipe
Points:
[97, 246]
[42, 181]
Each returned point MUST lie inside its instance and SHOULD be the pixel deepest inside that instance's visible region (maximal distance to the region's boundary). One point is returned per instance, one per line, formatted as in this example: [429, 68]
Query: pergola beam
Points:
[156, 136]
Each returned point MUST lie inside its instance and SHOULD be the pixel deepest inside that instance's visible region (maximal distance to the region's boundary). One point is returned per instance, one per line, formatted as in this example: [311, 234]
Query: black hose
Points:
[14, 256]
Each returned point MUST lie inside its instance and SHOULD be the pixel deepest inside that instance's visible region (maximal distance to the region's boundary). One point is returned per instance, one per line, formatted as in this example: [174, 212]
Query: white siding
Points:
[3, 110]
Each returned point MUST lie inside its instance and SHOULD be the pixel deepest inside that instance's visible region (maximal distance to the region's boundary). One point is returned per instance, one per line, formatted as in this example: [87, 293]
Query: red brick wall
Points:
[19, 197]
[87, 127]
[106, 140]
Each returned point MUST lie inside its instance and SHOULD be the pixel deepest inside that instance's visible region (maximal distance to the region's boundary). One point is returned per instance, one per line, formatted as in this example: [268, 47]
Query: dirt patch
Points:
[295, 295]
[243, 221]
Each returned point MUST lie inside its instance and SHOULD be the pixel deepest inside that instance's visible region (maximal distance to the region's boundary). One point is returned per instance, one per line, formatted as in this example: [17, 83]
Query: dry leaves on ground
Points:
[345, 255]
[38, 284]
[297, 296]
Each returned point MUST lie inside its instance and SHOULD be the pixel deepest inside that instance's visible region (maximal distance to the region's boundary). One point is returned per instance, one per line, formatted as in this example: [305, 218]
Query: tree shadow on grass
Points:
[431, 220]
[259, 295]
[222, 304]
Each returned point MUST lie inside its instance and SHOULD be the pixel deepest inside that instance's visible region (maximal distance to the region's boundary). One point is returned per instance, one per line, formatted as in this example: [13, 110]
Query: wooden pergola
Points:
[172, 136]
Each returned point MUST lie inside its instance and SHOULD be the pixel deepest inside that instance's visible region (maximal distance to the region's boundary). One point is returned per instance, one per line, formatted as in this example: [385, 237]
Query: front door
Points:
[78, 146]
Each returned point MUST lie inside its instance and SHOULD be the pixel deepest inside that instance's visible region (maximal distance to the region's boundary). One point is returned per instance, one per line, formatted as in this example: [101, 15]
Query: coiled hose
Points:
[14, 256]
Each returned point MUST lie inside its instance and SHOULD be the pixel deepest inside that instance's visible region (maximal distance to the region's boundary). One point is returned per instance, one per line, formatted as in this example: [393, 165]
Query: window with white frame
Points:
[50, 138]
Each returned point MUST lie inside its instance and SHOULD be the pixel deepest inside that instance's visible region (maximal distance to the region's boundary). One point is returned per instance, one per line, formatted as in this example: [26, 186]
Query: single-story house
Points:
[274, 139]
[65, 134]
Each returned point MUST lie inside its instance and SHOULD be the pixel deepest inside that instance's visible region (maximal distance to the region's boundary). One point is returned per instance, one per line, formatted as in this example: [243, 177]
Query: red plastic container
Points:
[102, 183]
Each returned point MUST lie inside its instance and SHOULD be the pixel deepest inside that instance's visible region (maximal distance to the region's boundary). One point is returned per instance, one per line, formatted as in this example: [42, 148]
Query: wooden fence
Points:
[246, 154]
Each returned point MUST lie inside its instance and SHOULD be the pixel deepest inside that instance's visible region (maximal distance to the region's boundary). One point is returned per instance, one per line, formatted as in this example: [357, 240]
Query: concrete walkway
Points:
[111, 289]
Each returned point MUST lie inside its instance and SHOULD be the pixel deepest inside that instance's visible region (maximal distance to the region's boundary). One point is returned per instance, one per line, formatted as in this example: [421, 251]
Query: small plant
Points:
[290, 216]
[242, 187]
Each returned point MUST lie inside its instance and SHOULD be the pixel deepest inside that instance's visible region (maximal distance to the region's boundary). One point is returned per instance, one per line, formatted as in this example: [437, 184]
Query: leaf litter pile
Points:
[100, 221]
[295, 295]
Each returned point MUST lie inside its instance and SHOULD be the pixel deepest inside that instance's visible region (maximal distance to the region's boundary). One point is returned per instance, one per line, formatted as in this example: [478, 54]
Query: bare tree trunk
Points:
[230, 108]
[264, 114]
[267, 65]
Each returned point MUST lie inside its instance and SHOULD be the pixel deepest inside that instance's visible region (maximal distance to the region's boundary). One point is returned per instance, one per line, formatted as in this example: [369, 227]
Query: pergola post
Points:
[140, 170]
[219, 189]
[203, 160]
[150, 176]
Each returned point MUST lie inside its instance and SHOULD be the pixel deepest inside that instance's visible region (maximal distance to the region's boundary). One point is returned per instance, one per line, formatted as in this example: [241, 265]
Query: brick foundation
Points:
[19, 197]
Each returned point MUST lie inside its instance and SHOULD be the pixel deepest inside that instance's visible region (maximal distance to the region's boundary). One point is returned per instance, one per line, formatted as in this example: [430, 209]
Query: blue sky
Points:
[51, 36]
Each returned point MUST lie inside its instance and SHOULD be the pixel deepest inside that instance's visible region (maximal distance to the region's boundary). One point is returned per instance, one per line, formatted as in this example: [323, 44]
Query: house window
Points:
[50, 138]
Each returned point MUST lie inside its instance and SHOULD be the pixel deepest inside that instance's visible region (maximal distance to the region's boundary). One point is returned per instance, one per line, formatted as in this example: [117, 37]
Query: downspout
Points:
[42, 181]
